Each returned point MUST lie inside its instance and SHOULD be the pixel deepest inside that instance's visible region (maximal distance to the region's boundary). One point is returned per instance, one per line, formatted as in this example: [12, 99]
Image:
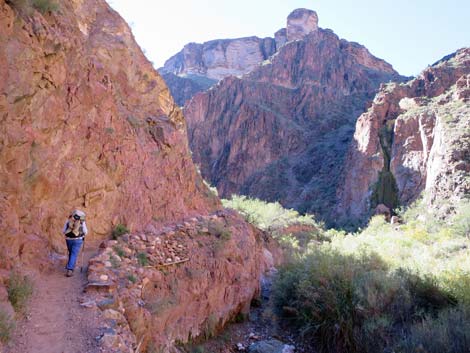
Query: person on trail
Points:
[75, 231]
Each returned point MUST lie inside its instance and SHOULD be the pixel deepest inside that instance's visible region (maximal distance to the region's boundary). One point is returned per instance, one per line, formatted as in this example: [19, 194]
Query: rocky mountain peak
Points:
[301, 22]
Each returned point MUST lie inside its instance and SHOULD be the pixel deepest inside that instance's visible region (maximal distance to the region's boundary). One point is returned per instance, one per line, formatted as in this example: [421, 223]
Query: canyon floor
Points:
[56, 322]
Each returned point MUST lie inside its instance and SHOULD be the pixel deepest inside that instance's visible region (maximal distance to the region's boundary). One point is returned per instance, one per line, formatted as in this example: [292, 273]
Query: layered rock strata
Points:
[199, 66]
[281, 132]
[426, 122]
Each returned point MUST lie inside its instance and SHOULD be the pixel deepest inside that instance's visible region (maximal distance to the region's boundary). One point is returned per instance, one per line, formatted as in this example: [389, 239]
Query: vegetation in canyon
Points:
[403, 288]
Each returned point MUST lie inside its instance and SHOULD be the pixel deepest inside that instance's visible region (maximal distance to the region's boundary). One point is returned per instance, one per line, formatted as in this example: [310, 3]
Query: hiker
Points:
[74, 231]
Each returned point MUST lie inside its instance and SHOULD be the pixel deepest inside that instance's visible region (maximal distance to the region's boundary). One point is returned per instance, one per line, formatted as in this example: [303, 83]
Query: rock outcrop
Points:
[414, 138]
[87, 123]
[202, 65]
[179, 284]
[300, 23]
[281, 132]
[199, 66]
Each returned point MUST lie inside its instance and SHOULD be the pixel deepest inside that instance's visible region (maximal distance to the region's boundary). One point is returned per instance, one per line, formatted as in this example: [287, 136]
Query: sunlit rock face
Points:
[87, 123]
[199, 66]
[281, 132]
[300, 23]
[428, 123]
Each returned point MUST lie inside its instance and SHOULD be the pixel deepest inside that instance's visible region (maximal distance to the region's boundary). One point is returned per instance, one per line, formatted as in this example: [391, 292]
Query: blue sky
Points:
[409, 34]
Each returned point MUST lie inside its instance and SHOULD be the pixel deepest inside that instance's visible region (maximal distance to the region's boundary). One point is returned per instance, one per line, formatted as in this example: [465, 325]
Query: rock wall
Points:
[197, 276]
[429, 118]
[220, 58]
[87, 123]
[281, 132]
[199, 66]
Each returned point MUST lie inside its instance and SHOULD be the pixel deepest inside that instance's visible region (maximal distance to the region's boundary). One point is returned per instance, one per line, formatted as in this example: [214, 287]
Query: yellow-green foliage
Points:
[402, 288]
[42, 6]
[119, 230]
[6, 326]
[353, 303]
[267, 215]
[20, 289]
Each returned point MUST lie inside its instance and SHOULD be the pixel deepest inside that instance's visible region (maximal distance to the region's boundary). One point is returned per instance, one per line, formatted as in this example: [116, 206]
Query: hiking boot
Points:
[69, 273]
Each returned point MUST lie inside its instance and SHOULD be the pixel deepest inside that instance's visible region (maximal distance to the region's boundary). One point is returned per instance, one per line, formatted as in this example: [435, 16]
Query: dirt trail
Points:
[55, 322]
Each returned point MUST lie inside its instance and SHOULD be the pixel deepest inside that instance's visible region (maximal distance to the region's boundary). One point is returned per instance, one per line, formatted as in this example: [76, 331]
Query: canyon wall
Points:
[415, 137]
[86, 123]
[281, 131]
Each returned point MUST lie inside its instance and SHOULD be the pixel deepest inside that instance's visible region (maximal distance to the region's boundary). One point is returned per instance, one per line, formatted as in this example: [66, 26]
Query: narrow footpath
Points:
[55, 321]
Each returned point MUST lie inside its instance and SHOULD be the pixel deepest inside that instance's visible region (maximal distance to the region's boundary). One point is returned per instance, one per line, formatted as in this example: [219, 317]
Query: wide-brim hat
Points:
[79, 213]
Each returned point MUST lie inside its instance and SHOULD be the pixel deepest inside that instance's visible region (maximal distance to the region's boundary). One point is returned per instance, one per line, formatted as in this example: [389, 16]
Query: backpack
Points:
[75, 226]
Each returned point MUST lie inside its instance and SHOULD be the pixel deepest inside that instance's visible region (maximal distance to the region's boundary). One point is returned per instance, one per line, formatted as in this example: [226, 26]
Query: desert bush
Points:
[6, 326]
[142, 259]
[119, 251]
[20, 289]
[349, 303]
[449, 332]
[220, 230]
[119, 230]
[45, 5]
[132, 278]
[461, 220]
[26, 6]
[266, 215]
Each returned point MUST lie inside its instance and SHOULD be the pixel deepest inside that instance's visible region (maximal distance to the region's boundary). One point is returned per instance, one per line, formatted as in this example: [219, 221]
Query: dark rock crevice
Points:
[385, 190]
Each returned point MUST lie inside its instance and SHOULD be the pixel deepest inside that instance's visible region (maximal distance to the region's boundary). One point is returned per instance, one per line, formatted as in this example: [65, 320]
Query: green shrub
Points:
[461, 220]
[20, 289]
[115, 263]
[6, 326]
[351, 303]
[447, 333]
[142, 259]
[119, 230]
[266, 215]
[131, 278]
[119, 251]
[219, 230]
[45, 5]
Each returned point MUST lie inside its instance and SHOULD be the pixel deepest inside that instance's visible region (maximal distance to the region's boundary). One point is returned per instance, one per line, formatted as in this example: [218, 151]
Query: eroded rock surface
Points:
[174, 285]
[199, 66]
[87, 123]
[202, 65]
[300, 23]
[427, 124]
[281, 132]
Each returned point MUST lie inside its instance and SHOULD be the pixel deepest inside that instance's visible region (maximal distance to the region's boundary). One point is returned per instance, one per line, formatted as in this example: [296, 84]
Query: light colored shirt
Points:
[85, 230]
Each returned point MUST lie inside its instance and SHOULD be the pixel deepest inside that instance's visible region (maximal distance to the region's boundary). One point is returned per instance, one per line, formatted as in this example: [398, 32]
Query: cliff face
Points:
[414, 138]
[281, 132]
[199, 66]
[85, 123]
[200, 274]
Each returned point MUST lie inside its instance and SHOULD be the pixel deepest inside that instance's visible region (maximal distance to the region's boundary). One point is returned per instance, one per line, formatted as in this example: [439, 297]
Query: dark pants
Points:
[73, 246]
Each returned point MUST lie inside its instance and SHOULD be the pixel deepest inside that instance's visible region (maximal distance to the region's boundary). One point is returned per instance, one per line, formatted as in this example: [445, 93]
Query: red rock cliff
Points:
[414, 138]
[281, 132]
[86, 122]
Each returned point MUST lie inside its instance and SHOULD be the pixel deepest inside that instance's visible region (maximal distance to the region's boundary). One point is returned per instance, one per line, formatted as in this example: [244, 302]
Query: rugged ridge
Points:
[87, 123]
[415, 137]
[198, 66]
[281, 131]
